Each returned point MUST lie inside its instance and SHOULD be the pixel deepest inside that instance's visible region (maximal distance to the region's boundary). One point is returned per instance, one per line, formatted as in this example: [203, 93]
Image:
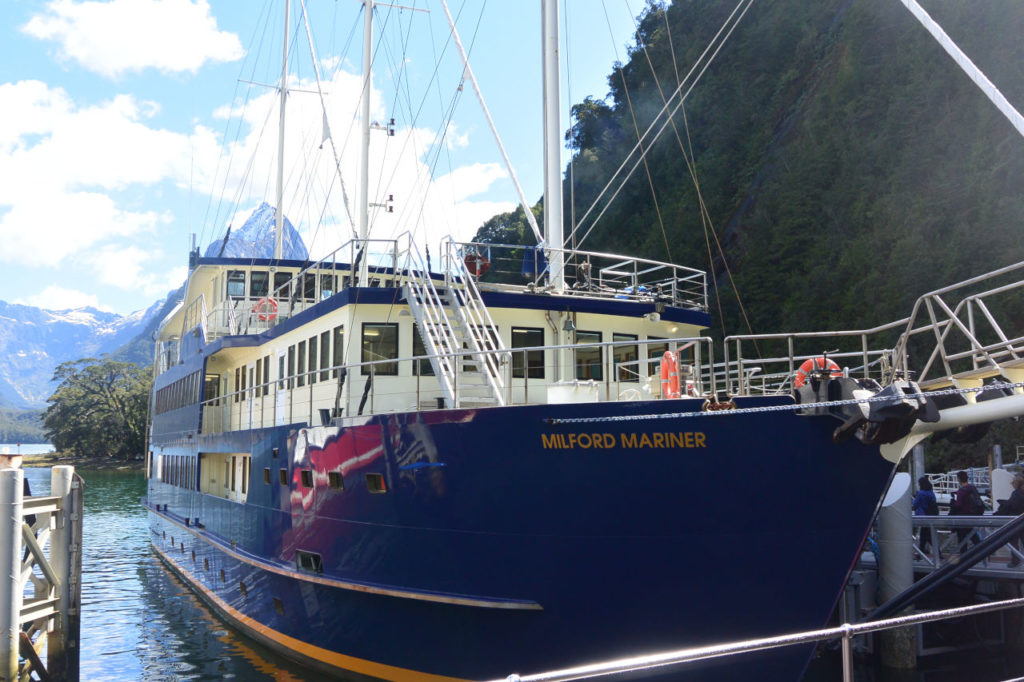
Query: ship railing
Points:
[974, 328]
[953, 535]
[606, 371]
[843, 633]
[947, 483]
[587, 273]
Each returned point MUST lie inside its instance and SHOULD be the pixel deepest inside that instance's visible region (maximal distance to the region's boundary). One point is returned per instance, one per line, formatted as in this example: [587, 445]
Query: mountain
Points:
[255, 239]
[33, 341]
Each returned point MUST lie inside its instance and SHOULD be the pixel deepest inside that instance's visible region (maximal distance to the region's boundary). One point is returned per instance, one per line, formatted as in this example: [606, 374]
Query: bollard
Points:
[896, 569]
[11, 496]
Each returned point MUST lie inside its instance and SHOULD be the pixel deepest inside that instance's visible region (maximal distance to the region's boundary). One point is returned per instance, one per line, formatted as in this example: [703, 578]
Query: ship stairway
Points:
[457, 333]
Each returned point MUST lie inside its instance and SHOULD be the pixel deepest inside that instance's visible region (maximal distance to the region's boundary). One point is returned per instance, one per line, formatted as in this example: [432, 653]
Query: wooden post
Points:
[11, 497]
[66, 560]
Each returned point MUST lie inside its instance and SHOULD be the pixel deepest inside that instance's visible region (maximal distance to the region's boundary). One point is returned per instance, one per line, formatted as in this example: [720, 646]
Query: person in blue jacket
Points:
[925, 504]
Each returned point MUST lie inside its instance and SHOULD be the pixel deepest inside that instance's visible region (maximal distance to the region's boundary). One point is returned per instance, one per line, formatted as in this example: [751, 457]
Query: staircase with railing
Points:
[451, 322]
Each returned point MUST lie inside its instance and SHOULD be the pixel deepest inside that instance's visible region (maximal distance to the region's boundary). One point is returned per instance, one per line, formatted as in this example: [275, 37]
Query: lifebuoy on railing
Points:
[813, 364]
[477, 264]
[265, 309]
[669, 375]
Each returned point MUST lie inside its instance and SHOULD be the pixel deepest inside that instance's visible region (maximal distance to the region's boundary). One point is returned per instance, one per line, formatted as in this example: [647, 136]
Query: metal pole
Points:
[896, 569]
[11, 496]
[61, 649]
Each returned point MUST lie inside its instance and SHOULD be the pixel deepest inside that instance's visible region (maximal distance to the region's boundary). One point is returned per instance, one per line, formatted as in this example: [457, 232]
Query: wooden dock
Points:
[41, 559]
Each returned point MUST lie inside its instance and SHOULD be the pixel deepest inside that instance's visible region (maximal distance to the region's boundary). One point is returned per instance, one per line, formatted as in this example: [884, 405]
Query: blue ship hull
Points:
[501, 540]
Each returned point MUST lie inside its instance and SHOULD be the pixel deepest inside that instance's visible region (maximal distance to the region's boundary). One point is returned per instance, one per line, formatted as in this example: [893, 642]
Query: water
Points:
[25, 448]
[140, 622]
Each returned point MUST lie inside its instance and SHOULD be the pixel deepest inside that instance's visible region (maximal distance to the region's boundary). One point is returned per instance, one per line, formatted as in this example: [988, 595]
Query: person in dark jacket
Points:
[966, 502]
[925, 504]
[1014, 506]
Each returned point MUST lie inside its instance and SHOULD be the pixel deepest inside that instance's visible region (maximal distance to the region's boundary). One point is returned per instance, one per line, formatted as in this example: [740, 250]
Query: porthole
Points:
[375, 484]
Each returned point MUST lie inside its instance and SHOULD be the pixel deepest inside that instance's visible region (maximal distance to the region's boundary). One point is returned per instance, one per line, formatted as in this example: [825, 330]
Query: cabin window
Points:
[421, 368]
[375, 484]
[266, 475]
[259, 379]
[282, 476]
[266, 374]
[313, 356]
[309, 286]
[281, 372]
[589, 360]
[281, 280]
[236, 283]
[339, 349]
[243, 386]
[327, 286]
[380, 342]
[625, 356]
[291, 365]
[238, 383]
[302, 364]
[307, 478]
[528, 363]
[325, 355]
[259, 283]
[335, 480]
[309, 561]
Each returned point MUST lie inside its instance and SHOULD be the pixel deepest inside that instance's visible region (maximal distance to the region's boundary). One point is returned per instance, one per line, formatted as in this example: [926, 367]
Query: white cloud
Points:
[130, 269]
[56, 297]
[112, 38]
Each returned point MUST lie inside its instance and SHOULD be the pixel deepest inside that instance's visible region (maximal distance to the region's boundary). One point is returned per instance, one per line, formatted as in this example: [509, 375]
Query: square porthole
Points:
[266, 475]
[283, 476]
[206, 564]
[307, 478]
[375, 484]
[335, 480]
[181, 545]
[309, 561]
[279, 606]
[274, 452]
[242, 588]
[223, 578]
[193, 555]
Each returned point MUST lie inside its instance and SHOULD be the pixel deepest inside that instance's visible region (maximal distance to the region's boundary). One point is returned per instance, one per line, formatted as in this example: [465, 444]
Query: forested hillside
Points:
[846, 163]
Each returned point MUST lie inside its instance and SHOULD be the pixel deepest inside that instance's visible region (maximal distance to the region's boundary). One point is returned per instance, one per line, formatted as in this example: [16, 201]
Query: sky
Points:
[128, 126]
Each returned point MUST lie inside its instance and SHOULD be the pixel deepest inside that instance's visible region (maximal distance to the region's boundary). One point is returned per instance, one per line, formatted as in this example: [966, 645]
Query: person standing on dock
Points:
[925, 504]
[966, 502]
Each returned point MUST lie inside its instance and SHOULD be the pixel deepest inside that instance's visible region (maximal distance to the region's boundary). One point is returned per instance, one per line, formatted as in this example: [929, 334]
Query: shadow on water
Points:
[139, 620]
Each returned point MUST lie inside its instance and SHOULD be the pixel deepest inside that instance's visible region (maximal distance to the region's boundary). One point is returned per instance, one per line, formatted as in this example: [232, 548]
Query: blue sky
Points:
[125, 127]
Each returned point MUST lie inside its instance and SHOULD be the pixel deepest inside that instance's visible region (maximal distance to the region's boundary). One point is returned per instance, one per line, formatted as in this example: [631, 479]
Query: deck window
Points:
[266, 374]
[380, 342]
[309, 286]
[301, 369]
[339, 349]
[236, 283]
[259, 283]
[625, 356]
[325, 355]
[313, 357]
[529, 364]
[291, 365]
[281, 280]
[589, 360]
[327, 286]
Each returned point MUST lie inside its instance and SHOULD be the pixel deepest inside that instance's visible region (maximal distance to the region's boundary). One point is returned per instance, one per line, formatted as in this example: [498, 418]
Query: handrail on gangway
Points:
[845, 632]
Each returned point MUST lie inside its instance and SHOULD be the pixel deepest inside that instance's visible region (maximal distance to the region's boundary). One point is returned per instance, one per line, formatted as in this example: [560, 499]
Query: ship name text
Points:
[606, 441]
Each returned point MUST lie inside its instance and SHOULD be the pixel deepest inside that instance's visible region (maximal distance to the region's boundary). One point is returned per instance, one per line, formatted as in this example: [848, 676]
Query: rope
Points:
[779, 408]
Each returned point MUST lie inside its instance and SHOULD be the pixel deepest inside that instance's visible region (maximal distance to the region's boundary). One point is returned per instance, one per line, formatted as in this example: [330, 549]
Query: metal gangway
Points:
[41, 565]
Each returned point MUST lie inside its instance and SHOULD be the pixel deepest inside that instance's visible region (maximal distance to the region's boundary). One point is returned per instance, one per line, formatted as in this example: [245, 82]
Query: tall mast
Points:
[279, 231]
[363, 195]
[552, 144]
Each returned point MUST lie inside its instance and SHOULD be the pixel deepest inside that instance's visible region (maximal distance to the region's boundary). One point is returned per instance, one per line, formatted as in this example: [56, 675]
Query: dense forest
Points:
[846, 164]
[21, 426]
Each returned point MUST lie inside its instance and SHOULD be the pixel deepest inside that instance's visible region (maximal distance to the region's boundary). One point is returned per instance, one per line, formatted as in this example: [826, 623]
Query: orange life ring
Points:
[813, 364]
[477, 264]
[669, 375]
[265, 309]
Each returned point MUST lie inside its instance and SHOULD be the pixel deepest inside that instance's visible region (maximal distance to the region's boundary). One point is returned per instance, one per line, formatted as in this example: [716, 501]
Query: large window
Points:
[259, 281]
[313, 357]
[421, 368]
[339, 349]
[589, 360]
[302, 364]
[281, 280]
[325, 355]
[380, 342]
[530, 363]
[309, 286]
[236, 283]
[291, 366]
[327, 286]
[625, 356]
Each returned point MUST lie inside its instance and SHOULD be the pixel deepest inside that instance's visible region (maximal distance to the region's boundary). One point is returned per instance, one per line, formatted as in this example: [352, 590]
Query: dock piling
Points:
[11, 498]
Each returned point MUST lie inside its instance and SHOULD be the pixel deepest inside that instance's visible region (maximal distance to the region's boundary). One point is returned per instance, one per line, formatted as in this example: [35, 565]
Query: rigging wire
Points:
[676, 94]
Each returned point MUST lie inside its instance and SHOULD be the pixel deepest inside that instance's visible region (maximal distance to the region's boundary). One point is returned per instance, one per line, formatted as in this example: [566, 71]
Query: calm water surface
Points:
[140, 622]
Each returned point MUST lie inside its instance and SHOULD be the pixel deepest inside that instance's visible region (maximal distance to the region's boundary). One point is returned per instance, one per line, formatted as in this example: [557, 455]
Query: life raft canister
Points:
[669, 375]
[810, 365]
[265, 309]
[477, 264]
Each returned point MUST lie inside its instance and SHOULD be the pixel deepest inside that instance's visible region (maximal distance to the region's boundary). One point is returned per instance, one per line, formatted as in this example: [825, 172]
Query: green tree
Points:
[99, 408]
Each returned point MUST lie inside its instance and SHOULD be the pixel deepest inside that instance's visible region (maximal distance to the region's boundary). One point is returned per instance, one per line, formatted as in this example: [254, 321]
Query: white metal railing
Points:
[313, 396]
[844, 633]
[602, 275]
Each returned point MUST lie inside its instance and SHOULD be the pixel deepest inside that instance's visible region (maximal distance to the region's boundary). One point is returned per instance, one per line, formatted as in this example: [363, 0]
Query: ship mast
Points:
[279, 230]
[363, 195]
[552, 145]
